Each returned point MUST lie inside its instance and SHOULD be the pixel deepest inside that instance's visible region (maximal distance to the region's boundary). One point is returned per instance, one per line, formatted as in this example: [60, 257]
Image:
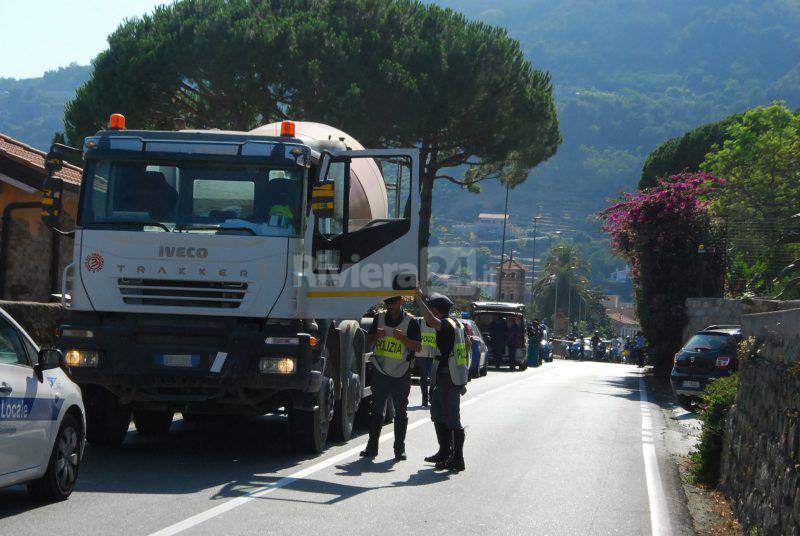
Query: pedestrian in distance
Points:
[425, 359]
[639, 343]
[514, 339]
[449, 376]
[498, 328]
[396, 336]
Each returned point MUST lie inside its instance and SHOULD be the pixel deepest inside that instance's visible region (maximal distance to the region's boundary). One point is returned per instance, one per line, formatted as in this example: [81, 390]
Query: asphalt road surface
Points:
[569, 448]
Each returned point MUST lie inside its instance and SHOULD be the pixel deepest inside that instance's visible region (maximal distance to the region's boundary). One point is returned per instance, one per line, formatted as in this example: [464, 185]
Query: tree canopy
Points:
[686, 153]
[389, 72]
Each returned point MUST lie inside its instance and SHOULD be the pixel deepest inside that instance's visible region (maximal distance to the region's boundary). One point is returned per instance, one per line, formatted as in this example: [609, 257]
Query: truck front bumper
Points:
[197, 361]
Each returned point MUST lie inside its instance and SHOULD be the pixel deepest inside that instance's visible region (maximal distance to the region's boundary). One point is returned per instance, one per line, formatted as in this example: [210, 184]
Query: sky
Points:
[42, 35]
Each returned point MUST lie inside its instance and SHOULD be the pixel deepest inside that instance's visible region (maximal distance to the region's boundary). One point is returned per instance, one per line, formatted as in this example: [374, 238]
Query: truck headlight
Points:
[277, 365]
[82, 358]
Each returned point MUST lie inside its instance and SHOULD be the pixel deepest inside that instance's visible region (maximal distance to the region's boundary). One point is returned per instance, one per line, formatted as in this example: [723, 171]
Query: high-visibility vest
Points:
[457, 361]
[428, 340]
[390, 353]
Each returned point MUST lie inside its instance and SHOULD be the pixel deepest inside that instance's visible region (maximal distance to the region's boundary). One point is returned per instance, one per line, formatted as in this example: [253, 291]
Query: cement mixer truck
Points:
[220, 273]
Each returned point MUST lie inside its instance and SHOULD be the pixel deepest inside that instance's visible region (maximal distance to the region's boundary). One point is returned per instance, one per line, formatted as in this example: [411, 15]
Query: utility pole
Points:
[503, 248]
[555, 305]
[533, 261]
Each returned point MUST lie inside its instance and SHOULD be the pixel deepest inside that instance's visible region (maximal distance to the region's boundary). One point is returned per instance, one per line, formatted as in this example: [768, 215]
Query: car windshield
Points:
[707, 341]
[191, 196]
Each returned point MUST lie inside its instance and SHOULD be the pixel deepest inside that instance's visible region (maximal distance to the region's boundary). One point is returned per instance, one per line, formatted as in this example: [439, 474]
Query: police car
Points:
[41, 417]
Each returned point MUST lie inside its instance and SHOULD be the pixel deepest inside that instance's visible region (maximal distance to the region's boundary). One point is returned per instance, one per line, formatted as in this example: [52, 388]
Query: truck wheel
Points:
[344, 412]
[106, 419]
[152, 423]
[309, 428]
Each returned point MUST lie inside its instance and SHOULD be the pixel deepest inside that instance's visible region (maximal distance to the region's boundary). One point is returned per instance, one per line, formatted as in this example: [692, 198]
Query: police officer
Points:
[449, 376]
[425, 358]
[396, 336]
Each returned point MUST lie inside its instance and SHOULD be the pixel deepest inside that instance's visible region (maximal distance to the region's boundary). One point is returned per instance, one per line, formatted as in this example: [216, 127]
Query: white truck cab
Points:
[223, 272]
[41, 417]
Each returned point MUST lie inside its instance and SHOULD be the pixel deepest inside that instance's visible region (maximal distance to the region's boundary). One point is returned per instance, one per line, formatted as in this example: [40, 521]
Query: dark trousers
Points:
[398, 389]
[498, 351]
[424, 364]
[446, 401]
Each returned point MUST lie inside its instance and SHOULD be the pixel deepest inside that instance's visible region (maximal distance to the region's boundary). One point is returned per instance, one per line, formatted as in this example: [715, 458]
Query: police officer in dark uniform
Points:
[396, 336]
[449, 377]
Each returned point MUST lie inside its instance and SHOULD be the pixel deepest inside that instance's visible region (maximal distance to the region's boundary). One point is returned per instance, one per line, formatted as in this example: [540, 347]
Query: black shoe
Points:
[444, 437]
[424, 403]
[368, 453]
[400, 456]
[456, 461]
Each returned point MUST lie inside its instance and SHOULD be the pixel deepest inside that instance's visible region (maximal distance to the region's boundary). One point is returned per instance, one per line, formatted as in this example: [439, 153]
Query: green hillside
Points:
[31, 110]
[630, 75]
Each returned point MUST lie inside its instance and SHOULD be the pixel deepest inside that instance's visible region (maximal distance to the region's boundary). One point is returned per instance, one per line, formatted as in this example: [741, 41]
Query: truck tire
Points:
[686, 403]
[59, 479]
[106, 419]
[152, 423]
[309, 429]
[346, 407]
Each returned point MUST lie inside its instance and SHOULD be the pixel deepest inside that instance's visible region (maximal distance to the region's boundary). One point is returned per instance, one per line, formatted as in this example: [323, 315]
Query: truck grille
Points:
[176, 293]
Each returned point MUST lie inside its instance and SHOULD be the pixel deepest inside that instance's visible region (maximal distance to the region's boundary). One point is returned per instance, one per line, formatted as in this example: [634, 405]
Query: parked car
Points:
[42, 423]
[709, 354]
[479, 365]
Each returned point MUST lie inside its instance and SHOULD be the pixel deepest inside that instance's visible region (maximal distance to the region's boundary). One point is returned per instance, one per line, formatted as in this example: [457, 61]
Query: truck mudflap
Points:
[191, 360]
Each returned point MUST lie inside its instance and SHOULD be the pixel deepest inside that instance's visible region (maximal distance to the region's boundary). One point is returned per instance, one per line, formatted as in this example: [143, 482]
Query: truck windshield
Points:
[192, 197]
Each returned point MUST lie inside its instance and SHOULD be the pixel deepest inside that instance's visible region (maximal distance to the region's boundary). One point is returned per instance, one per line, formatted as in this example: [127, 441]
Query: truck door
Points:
[362, 238]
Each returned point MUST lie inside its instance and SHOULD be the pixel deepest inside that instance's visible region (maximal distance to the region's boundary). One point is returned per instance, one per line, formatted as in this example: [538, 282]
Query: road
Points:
[569, 448]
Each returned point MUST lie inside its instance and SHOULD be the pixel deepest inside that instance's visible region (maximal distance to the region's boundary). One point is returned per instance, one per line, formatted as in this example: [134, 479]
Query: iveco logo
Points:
[184, 253]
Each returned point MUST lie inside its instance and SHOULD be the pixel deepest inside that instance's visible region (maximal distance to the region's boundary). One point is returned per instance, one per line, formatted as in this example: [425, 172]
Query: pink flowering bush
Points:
[675, 251]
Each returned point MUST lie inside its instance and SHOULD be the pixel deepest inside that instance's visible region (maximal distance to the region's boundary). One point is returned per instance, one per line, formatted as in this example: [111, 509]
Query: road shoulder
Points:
[708, 511]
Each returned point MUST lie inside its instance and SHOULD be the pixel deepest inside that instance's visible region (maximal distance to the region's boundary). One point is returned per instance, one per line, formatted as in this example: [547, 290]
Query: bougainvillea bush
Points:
[676, 251]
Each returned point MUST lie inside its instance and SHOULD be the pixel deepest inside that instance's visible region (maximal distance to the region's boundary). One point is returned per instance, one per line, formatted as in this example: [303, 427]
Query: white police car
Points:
[41, 417]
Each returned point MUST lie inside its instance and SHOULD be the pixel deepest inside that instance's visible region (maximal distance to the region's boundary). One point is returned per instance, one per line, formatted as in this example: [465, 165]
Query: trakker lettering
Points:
[182, 253]
[179, 270]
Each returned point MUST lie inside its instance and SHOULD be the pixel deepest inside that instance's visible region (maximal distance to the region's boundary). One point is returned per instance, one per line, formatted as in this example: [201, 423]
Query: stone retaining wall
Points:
[761, 453]
[703, 312]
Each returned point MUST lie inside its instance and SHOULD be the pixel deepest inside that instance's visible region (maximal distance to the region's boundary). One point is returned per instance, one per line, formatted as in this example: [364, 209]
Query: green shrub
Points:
[717, 400]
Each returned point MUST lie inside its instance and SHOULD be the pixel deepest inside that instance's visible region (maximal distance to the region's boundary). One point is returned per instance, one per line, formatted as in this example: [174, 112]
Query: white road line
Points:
[659, 516]
[218, 510]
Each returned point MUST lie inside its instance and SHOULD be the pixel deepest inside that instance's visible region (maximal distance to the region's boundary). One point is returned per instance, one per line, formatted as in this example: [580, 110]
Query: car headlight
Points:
[277, 365]
[82, 358]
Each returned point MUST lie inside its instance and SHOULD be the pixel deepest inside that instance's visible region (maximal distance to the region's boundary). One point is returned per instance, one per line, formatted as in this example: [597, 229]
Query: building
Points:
[32, 257]
[621, 275]
[623, 321]
[512, 286]
[490, 224]
[454, 287]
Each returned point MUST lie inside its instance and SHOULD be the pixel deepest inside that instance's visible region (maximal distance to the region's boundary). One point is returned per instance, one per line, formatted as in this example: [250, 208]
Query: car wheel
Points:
[62, 469]
[686, 402]
[152, 423]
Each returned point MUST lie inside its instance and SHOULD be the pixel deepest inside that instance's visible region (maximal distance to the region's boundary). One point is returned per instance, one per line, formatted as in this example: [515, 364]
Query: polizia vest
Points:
[390, 354]
[428, 340]
[457, 360]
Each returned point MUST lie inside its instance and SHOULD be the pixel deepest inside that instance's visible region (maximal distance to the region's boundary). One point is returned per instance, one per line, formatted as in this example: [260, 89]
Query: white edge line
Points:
[220, 509]
[659, 517]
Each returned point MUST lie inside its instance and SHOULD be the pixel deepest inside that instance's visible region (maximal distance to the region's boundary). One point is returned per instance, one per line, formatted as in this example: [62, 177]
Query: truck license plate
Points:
[180, 360]
[691, 384]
